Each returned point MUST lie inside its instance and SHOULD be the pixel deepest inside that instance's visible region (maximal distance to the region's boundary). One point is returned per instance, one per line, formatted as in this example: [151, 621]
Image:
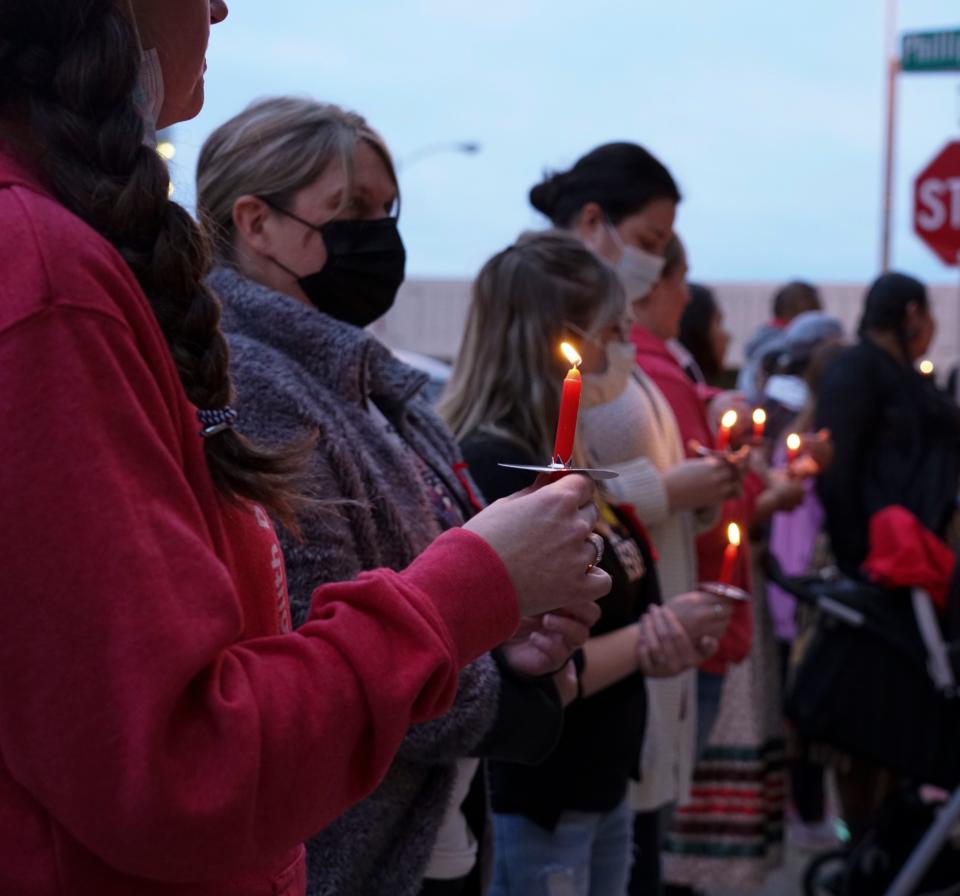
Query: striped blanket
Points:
[730, 834]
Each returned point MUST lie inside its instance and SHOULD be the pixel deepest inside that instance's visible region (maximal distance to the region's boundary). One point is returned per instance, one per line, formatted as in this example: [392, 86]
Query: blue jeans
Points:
[709, 692]
[588, 854]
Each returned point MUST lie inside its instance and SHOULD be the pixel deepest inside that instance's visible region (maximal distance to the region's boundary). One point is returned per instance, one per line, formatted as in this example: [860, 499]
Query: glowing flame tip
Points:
[571, 354]
[793, 442]
[759, 416]
[733, 534]
[729, 420]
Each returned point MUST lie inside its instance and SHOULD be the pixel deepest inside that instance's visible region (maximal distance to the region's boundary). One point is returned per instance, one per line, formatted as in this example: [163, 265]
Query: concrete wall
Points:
[429, 315]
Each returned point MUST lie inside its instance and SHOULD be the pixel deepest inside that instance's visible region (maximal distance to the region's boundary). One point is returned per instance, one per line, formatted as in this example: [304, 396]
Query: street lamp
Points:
[465, 147]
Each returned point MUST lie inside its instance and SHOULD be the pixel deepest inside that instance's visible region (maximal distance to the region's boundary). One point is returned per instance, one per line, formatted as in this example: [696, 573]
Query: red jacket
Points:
[689, 407]
[161, 731]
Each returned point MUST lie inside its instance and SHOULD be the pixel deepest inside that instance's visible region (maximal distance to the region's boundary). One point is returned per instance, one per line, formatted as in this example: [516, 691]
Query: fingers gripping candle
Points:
[569, 408]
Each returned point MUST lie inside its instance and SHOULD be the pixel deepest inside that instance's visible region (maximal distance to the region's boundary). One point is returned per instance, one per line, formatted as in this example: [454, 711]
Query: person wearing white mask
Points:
[621, 202]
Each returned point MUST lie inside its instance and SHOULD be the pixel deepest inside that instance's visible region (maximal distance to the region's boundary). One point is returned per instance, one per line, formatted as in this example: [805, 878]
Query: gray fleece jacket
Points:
[298, 371]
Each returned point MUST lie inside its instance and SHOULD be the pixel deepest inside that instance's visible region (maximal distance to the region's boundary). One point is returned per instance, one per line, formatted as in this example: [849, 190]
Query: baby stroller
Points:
[878, 680]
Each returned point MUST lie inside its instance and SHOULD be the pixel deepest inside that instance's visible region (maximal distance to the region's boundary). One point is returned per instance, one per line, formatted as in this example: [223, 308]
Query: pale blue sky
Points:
[768, 114]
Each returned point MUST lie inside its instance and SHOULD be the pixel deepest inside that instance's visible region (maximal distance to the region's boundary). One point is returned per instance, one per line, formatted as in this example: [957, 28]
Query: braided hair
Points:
[72, 67]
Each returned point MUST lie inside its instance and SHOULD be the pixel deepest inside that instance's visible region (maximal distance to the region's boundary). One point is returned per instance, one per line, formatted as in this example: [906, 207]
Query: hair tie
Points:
[216, 420]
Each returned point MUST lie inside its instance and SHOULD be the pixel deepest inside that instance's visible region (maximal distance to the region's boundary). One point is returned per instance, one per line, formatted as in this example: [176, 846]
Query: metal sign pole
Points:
[892, 68]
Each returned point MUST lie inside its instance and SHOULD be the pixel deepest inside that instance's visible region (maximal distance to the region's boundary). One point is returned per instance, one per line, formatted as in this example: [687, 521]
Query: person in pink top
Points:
[161, 729]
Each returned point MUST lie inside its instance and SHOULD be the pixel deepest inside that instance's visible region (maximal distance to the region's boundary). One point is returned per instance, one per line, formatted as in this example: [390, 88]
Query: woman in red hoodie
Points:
[161, 729]
[701, 833]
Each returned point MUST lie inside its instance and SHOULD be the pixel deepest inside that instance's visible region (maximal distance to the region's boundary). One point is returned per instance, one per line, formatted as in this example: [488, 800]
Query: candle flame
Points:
[572, 355]
[794, 442]
[733, 534]
[729, 420]
[926, 367]
[759, 416]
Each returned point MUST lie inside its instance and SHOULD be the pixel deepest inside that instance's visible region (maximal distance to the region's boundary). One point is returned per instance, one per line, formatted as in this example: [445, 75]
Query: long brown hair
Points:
[73, 68]
[508, 375]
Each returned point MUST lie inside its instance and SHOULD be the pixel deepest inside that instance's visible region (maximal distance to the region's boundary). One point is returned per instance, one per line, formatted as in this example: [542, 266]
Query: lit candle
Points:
[727, 422]
[794, 443]
[926, 367]
[759, 423]
[730, 554]
[569, 407]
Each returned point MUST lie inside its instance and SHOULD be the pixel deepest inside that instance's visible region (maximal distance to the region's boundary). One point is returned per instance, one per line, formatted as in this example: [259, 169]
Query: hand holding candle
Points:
[730, 554]
[727, 422]
[569, 408]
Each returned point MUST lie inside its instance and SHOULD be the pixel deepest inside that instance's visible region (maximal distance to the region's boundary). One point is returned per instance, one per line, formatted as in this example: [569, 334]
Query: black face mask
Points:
[364, 269]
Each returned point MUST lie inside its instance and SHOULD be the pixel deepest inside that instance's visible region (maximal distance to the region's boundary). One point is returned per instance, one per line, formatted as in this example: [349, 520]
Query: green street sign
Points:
[931, 51]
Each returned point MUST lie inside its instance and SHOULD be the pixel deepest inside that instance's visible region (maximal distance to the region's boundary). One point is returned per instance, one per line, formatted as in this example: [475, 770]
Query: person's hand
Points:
[701, 482]
[701, 614]
[543, 537]
[731, 401]
[543, 644]
[816, 447]
[566, 683]
[665, 648]
[787, 492]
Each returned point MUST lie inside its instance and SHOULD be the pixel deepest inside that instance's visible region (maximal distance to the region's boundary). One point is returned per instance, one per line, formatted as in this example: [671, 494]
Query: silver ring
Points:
[597, 543]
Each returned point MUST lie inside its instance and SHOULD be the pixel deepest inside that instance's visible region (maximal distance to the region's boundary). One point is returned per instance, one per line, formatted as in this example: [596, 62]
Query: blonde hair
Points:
[273, 149]
[509, 372]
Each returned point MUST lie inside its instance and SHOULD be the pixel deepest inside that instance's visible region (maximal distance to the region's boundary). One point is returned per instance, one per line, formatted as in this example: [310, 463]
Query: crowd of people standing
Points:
[275, 623]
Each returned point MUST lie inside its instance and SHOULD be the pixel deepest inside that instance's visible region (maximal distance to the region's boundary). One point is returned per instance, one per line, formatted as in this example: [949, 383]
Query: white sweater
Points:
[635, 433]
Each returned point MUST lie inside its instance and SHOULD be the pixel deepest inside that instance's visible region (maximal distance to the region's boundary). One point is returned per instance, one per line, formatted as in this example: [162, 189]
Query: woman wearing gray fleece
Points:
[300, 198]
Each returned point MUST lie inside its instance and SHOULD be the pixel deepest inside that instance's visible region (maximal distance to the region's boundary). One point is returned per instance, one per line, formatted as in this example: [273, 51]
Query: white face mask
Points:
[601, 388]
[790, 391]
[638, 269]
[149, 93]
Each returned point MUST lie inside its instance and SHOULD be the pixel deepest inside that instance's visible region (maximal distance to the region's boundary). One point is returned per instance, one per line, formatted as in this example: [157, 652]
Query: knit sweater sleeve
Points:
[328, 549]
[641, 485]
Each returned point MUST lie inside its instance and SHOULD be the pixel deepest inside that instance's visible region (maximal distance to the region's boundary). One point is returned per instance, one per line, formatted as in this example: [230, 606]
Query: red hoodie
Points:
[160, 729]
[689, 407]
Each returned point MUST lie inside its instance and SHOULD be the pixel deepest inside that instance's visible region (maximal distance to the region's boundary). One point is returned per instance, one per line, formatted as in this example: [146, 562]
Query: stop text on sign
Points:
[938, 203]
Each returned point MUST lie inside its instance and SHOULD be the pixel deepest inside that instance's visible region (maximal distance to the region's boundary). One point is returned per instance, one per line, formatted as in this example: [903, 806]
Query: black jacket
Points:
[896, 440]
[602, 735]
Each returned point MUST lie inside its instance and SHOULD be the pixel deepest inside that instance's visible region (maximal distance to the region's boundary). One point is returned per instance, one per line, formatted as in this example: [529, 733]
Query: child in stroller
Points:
[878, 681]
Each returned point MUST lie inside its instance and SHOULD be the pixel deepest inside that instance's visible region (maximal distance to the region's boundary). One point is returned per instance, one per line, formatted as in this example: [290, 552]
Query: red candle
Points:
[794, 443]
[569, 407]
[730, 554]
[759, 423]
[727, 422]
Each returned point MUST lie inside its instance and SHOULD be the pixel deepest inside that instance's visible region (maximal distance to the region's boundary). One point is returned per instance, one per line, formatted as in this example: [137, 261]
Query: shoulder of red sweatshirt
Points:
[688, 403]
[160, 731]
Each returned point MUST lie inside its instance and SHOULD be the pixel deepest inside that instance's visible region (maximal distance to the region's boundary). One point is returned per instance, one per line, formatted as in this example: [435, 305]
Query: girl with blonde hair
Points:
[568, 822]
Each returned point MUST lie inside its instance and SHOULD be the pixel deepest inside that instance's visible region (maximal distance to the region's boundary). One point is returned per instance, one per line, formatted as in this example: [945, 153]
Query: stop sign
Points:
[936, 204]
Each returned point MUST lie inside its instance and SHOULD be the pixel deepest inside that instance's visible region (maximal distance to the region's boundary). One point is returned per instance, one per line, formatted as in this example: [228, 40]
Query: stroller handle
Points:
[800, 588]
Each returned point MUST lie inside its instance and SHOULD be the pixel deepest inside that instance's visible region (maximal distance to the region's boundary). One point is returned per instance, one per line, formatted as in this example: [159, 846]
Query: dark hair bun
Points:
[546, 194]
[622, 178]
